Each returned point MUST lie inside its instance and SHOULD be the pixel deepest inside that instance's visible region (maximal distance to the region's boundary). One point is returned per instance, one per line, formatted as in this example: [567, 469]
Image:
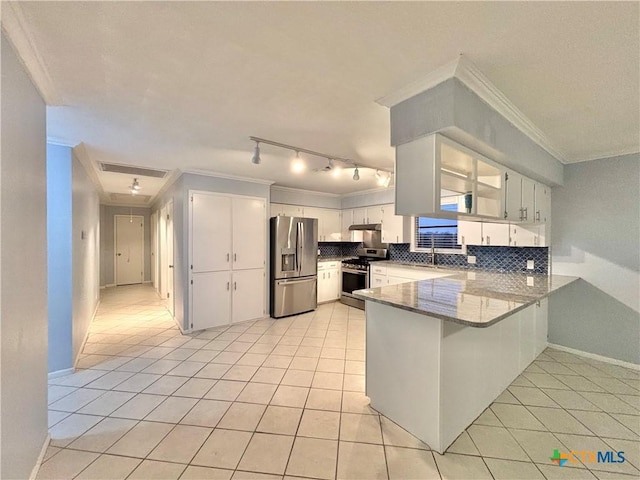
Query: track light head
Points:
[297, 165]
[256, 155]
[356, 174]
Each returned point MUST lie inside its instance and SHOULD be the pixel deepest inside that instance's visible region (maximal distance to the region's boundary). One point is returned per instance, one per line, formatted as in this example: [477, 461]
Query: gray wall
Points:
[380, 197]
[107, 213]
[178, 192]
[596, 236]
[453, 109]
[85, 236]
[23, 270]
[59, 257]
[305, 198]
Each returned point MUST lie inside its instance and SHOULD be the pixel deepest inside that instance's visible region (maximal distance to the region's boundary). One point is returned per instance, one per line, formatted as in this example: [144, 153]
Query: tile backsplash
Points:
[497, 259]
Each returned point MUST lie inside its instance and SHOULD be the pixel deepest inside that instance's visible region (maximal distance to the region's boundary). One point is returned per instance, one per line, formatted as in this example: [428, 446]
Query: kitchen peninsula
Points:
[440, 351]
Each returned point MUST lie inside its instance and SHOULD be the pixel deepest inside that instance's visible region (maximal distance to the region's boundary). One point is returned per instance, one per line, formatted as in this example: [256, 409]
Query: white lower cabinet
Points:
[247, 295]
[211, 306]
[541, 325]
[329, 281]
[378, 280]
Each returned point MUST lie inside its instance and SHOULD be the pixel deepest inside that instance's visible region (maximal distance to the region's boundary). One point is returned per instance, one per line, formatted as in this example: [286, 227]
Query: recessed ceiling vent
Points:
[127, 198]
[134, 171]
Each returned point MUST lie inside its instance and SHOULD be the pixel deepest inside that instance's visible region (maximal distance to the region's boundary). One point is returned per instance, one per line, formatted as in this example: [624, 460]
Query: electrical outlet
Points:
[471, 259]
[530, 265]
[530, 282]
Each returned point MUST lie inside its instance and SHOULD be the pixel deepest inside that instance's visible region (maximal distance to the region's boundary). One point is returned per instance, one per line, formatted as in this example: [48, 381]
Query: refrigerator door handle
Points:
[293, 281]
[299, 243]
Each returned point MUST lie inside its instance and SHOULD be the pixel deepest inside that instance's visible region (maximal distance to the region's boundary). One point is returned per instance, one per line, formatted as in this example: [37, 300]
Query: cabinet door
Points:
[248, 295]
[249, 233]
[513, 198]
[322, 286]
[469, 233]
[210, 232]
[378, 280]
[495, 234]
[524, 235]
[332, 226]
[312, 212]
[375, 214]
[392, 225]
[528, 200]
[210, 299]
[393, 280]
[359, 216]
[543, 203]
[292, 210]
[333, 284]
[346, 222]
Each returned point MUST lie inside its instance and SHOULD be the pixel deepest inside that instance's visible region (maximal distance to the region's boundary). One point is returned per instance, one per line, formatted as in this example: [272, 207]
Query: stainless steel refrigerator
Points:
[294, 265]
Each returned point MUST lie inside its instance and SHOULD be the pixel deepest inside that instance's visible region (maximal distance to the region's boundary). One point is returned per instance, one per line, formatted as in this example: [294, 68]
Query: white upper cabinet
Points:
[393, 226]
[249, 233]
[469, 233]
[495, 234]
[375, 214]
[210, 233]
[360, 216]
[542, 203]
[332, 225]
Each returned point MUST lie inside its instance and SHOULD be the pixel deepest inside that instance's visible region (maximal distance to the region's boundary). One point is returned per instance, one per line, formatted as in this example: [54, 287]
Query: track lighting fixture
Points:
[334, 165]
[256, 155]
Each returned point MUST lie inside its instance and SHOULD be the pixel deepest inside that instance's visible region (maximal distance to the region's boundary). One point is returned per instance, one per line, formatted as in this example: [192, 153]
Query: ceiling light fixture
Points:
[135, 186]
[256, 155]
[383, 178]
[298, 165]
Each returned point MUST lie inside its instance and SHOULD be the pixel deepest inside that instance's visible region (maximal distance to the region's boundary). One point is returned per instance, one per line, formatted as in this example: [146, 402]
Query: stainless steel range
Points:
[355, 274]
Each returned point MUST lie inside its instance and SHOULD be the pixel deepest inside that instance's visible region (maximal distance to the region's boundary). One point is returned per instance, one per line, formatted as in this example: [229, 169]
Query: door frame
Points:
[170, 244]
[115, 246]
[265, 224]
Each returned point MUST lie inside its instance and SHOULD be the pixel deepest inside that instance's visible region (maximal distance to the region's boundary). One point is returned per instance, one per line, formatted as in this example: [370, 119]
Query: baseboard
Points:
[102, 287]
[148, 281]
[594, 356]
[86, 336]
[43, 452]
[60, 373]
[109, 285]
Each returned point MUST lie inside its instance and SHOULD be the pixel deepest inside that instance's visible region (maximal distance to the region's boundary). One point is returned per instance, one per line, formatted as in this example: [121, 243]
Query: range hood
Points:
[367, 226]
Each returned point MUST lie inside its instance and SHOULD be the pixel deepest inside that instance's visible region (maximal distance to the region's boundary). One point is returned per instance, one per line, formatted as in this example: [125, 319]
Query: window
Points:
[439, 233]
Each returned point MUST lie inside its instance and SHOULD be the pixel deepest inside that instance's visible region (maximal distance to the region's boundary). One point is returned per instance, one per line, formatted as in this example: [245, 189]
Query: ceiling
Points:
[182, 85]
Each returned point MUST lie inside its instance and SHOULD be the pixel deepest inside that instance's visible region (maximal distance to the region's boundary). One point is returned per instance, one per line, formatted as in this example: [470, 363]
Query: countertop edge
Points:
[461, 321]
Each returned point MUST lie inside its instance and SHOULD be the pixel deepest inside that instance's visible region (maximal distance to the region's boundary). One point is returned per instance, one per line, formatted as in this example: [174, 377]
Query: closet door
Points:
[248, 294]
[211, 300]
[210, 233]
[249, 233]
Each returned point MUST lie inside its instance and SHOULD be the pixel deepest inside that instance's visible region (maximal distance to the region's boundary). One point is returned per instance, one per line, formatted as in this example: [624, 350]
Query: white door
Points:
[170, 259]
[248, 294]
[249, 236]
[211, 300]
[162, 252]
[154, 249]
[210, 233]
[129, 243]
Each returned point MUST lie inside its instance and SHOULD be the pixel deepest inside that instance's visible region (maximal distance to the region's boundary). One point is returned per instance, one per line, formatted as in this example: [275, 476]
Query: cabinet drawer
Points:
[328, 265]
[378, 270]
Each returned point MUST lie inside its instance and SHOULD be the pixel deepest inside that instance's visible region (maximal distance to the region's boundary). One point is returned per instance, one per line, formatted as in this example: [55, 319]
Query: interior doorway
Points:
[129, 249]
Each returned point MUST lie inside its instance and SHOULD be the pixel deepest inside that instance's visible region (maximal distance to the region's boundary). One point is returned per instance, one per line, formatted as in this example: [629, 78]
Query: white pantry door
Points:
[129, 236]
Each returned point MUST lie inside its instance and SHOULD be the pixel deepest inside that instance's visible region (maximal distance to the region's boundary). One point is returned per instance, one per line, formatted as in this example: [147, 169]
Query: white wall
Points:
[596, 236]
[23, 270]
[85, 236]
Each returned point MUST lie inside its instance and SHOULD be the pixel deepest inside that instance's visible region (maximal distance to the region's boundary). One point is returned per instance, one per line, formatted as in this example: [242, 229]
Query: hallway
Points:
[269, 398]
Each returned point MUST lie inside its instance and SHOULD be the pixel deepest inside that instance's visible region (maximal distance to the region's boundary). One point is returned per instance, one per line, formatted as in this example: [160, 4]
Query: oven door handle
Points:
[357, 272]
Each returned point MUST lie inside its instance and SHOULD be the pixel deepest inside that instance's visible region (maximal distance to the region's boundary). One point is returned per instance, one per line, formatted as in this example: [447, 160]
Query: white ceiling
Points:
[183, 85]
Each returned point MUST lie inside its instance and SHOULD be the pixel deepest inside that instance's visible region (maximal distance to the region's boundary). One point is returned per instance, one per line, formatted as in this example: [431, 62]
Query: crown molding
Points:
[464, 70]
[208, 173]
[61, 143]
[436, 77]
[15, 27]
[605, 155]
[371, 190]
[305, 192]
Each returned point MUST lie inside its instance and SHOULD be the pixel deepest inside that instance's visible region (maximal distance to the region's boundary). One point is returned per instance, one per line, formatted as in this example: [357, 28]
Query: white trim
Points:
[81, 153]
[115, 246]
[15, 26]
[613, 361]
[147, 281]
[366, 192]
[432, 79]
[86, 337]
[605, 155]
[207, 173]
[109, 285]
[60, 373]
[43, 452]
[463, 69]
[308, 192]
[61, 143]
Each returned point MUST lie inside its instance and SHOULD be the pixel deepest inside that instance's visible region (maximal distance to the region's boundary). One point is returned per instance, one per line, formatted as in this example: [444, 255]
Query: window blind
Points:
[439, 233]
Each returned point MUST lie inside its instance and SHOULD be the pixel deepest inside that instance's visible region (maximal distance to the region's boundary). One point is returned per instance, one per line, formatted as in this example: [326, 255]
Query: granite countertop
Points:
[477, 299]
[333, 259]
[392, 263]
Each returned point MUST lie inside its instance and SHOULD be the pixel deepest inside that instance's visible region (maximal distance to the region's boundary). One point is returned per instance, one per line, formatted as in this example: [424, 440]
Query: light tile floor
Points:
[284, 398]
